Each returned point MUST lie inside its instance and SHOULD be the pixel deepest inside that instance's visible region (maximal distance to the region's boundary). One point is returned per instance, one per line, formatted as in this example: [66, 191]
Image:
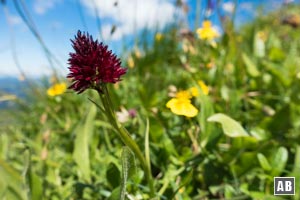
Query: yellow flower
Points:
[262, 35]
[184, 94]
[194, 91]
[130, 62]
[207, 32]
[182, 106]
[204, 88]
[210, 65]
[57, 89]
[137, 53]
[158, 36]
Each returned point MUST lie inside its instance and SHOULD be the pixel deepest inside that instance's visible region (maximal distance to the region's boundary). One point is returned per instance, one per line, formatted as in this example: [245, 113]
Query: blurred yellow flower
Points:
[204, 87]
[182, 106]
[137, 53]
[158, 36]
[130, 62]
[210, 65]
[57, 89]
[194, 91]
[184, 94]
[207, 32]
[262, 35]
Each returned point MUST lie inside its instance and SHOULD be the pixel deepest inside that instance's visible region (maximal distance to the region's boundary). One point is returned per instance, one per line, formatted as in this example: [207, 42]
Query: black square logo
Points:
[284, 185]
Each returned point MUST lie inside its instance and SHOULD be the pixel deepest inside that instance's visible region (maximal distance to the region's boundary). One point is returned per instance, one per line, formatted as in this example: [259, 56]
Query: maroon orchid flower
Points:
[92, 64]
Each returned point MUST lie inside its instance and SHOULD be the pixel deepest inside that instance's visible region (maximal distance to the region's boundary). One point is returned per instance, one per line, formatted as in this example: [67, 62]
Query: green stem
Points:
[125, 137]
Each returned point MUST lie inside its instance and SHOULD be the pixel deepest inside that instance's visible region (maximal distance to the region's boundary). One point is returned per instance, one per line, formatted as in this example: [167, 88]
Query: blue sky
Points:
[57, 21]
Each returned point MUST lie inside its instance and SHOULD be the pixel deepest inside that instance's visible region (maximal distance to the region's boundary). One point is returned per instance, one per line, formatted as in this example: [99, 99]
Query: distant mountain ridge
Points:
[11, 86]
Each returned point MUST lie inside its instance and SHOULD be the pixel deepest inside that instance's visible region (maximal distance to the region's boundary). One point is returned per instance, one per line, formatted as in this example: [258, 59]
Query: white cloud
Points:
[54, 25]
[131, 15]
[288, 1]
[14, 20]
[246, 6]
[228, 7]
[42, 6]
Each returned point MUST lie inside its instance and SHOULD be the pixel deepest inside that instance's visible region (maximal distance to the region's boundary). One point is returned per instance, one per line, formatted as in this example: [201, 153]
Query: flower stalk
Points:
[125, 137]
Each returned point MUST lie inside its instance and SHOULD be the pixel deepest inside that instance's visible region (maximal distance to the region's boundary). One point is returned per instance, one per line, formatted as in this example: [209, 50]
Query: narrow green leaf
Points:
[251, 68]
[128, 169]
[4, 145]
[276, 70]
[279, 161]
[147, 146]
[276, 54]
[36, 186]
[12, 180]
[207, 130]
[81, 143]
[264, 163]
[115, 194]
[230, 127]
[260, 134]
[33, 181]
[100, 123]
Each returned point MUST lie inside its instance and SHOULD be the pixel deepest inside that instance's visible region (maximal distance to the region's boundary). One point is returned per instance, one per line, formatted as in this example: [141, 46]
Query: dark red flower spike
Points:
[92, 64]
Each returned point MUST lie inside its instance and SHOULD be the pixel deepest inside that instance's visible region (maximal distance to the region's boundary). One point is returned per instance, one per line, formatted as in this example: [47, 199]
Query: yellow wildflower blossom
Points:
[204, 88]
[130, 62]
[207, 32]
[182, 106]
[57, 89]
[210, 65]
[137, 53]
[158, 36]
[262, 35]
[184, 94]
[194, 91]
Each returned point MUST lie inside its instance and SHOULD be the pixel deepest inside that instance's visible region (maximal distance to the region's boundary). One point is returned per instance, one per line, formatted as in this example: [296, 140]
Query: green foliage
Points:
[63, 147]
[81, 144]
[230, 127]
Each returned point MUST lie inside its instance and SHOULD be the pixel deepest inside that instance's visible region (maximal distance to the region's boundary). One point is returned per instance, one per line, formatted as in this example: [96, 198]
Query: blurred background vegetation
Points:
[55, 144]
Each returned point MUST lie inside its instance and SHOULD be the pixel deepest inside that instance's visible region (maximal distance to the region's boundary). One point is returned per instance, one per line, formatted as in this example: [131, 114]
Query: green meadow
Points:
[213, 116]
